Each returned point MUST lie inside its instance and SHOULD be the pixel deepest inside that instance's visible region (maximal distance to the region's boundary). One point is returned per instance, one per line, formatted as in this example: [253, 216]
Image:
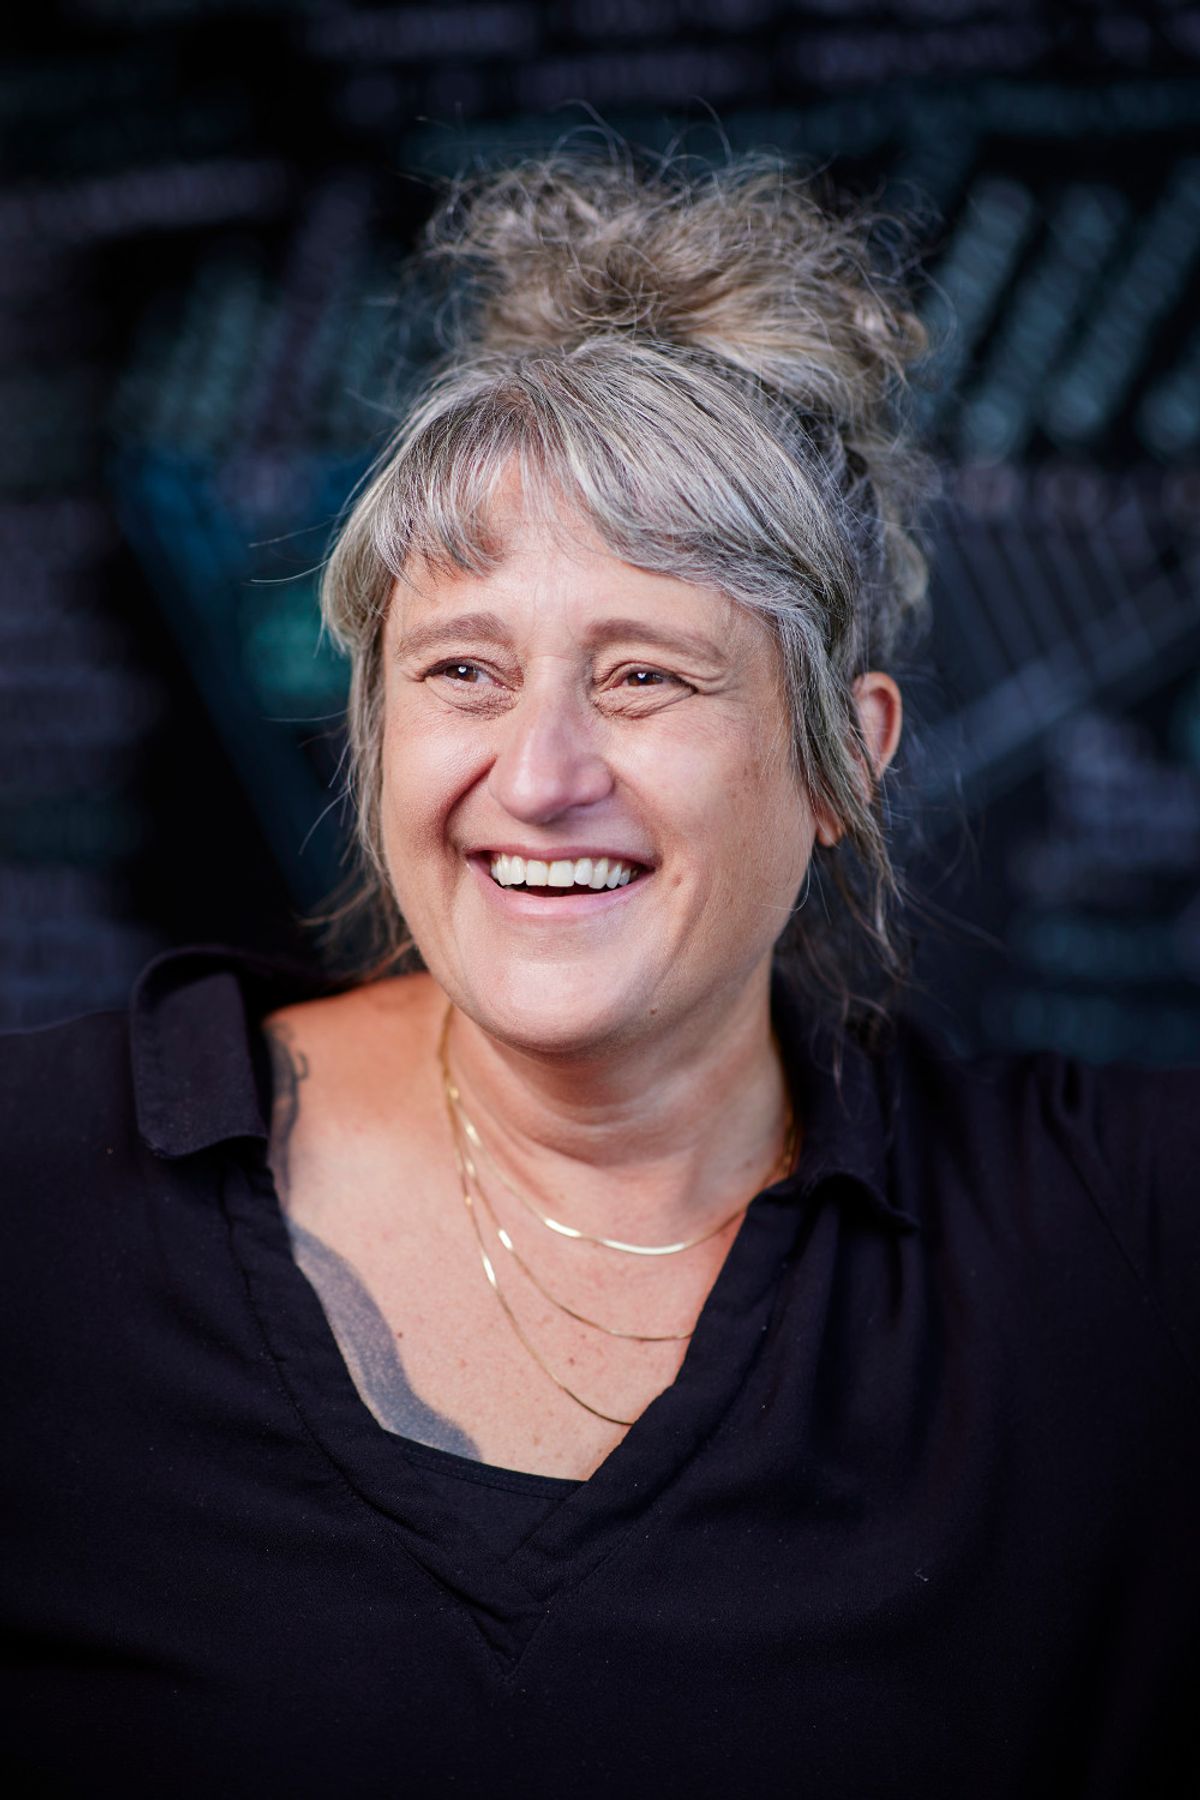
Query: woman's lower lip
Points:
[518, 903]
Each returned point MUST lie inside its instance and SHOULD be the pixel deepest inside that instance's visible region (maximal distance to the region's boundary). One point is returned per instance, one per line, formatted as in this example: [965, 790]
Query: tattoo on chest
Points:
[364, 1337]
[369, 1348]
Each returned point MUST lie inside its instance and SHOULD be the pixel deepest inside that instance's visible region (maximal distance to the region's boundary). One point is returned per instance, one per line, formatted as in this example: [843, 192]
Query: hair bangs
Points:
[701, 492]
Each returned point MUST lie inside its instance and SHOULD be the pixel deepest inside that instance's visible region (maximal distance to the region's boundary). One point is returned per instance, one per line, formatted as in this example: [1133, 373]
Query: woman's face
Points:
[568, 707]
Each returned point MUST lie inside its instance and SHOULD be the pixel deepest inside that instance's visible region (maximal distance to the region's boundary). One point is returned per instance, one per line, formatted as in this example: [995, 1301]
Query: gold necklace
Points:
[641, 1337]
[454, 1097]
[468, 1172]
[510, 1315]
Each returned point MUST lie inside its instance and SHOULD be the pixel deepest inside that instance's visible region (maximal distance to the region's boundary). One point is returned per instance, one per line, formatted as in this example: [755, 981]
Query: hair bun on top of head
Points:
[748, 263]
[754, 267]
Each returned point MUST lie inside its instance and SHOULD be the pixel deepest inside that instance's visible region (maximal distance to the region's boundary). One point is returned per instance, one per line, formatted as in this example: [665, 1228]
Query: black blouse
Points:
[916, 1518]
[504, 1505]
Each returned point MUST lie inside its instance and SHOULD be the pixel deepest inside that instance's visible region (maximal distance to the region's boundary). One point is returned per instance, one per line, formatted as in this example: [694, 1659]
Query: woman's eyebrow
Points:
[489, 625]
[691, 643]
[438, 632]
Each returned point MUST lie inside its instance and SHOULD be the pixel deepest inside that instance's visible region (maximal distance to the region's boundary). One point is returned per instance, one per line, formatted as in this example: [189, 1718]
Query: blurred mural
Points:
[205, 218]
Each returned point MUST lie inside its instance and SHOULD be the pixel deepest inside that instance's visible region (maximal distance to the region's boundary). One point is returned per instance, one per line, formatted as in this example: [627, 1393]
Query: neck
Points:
[658, 1138]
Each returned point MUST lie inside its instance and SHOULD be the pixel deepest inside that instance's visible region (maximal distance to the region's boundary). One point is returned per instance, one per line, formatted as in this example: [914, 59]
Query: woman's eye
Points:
[466, 674]
[640, 678]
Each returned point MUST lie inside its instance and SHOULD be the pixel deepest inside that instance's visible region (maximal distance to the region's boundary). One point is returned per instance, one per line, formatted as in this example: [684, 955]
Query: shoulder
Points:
[1134, 1135]
[171, 1072]
[347, 1066]
[1070, 1166]
[66, 1089]
[74, 1173]
[366, 1036]
[357, 1015]
[1120, 1126]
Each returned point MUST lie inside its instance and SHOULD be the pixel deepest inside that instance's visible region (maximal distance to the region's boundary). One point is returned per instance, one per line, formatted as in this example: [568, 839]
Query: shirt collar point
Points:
[193, 1075]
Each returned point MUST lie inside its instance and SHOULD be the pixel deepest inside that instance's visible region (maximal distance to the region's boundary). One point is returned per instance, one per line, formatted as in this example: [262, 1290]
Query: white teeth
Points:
[585, 871]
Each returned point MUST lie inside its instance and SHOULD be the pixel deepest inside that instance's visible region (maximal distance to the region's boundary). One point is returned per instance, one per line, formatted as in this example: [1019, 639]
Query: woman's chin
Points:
[542, 1013]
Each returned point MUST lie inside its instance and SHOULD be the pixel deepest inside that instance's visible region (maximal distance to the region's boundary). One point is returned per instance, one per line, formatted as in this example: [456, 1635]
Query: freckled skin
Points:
[549, 739]
[368, 1346]
[364, 1337]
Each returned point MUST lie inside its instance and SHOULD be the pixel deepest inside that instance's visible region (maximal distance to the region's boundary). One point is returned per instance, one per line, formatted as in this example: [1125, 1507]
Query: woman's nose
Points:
[550, 759]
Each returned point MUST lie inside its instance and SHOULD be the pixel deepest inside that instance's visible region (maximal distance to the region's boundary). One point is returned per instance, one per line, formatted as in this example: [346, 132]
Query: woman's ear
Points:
[881, 716]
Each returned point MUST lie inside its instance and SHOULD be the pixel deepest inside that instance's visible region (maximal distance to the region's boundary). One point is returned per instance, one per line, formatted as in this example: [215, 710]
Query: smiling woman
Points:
[550, 737]
[601, 1348]
[701, 378]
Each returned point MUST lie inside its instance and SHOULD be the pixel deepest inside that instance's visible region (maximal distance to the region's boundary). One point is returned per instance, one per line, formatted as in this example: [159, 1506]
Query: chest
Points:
[468, 1326]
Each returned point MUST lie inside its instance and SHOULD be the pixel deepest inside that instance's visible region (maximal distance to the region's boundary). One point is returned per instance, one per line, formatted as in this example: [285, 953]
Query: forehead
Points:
[555, 577]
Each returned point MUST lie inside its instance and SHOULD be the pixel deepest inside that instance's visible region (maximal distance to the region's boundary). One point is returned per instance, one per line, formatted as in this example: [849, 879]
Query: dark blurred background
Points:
[206, 210]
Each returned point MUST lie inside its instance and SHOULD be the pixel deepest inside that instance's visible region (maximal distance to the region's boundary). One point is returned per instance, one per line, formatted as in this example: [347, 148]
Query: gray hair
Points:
[708, 366]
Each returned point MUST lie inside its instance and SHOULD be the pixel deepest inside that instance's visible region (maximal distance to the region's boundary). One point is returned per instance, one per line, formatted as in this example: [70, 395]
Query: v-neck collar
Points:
[507, 1597]
[194, 1016]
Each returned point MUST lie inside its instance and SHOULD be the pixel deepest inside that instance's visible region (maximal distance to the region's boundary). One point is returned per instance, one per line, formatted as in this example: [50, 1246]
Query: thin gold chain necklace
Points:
[454, 1097]
[642, 1337]
[468, 1172]
[510, 1315]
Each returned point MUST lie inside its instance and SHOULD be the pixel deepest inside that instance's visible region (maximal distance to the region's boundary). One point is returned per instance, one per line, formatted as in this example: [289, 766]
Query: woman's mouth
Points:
[564, 875]
[557, 889]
